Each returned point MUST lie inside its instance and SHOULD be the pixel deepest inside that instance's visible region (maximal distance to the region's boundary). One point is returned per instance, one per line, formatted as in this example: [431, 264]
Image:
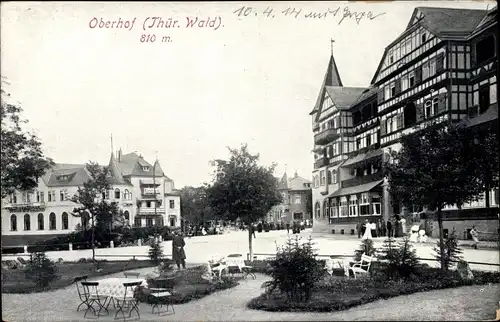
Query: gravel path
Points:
[465, 303]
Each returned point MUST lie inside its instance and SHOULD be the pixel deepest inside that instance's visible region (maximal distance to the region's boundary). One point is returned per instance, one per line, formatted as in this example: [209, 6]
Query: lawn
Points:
[14, 280]
[187, 285]
[336, 293]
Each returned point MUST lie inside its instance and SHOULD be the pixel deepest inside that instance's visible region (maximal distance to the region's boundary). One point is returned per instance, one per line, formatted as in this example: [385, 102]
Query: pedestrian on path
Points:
[474, 233]
[389, 228]
[178, 254]
[287, 227]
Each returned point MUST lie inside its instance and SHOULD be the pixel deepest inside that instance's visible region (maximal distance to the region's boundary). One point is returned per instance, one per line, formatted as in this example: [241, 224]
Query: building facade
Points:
[296, 194]
[45, 212]
[442, 68]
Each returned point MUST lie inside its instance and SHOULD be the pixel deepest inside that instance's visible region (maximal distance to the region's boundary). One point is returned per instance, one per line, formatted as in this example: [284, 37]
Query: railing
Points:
[321, 162]
[327, 135]
[25, 205]
[150, 211]
[379, 175]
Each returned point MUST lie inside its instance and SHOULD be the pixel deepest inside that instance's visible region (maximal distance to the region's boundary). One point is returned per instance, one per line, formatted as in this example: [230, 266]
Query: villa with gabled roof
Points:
[145, 196]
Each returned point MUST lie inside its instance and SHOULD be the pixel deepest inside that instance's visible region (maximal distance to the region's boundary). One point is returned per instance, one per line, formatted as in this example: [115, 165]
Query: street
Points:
[201, 248]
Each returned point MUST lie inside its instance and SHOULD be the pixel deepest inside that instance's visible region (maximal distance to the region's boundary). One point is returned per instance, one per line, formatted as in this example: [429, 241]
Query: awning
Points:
[356, 189]
[363, 157]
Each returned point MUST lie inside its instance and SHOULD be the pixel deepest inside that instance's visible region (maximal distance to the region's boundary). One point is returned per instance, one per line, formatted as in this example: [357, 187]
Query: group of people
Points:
[395, 227]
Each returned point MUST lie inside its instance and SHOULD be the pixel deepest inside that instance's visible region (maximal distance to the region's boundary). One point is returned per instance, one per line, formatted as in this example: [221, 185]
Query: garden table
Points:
[240, 263]
[113, 288]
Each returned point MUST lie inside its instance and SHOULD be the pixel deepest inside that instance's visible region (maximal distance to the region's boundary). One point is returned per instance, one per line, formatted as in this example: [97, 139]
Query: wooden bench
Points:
[131, 274]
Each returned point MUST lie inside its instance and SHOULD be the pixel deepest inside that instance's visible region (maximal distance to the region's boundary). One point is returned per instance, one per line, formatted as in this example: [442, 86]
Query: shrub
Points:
[155, 252]
[295, 271]
[451, 250]
[41, 270]
[397, 260]
[366, 247]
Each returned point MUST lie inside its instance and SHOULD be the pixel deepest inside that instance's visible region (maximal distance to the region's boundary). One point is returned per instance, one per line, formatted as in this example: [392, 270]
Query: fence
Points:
[267, 255]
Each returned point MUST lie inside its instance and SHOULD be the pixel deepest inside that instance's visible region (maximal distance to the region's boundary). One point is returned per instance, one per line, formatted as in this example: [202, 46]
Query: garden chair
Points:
[131, 274]
[160, 297]
[81, 291]
[363, 266]
[91, 295]
[129, 302]
[238, 264]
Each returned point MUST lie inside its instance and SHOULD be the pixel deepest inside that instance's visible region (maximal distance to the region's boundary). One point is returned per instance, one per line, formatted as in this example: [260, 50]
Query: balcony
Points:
[326, 136]
[321, 162]
[150, 192]
[356, 181]
[26, 206]
[151, 211]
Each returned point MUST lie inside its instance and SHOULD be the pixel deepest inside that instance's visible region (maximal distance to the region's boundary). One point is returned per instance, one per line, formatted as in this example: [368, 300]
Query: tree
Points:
[194, 205]
[451, 250]
[91, 203]
[22, 158]
[432, 170]
[243, 189]
[483, 158]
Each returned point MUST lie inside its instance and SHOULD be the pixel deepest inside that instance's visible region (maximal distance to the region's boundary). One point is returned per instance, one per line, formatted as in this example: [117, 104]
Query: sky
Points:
[250, 78]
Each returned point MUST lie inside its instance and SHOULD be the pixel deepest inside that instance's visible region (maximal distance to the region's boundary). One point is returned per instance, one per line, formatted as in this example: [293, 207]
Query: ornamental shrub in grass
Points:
[295, 271]
[398, 260]
[366, 247]
[41, 270]
[451, 251]
[155, 252]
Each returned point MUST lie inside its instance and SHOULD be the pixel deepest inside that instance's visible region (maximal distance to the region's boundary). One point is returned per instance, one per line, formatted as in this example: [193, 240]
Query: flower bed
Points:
[186, 285]
[339, 293]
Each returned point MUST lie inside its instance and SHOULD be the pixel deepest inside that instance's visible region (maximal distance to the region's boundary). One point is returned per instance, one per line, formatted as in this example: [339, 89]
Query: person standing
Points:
[474, 233]
[359, 228]
[373, 227]
[368, 230]
[389, 228]
[403, 226]
[287, 227]
[178, 254]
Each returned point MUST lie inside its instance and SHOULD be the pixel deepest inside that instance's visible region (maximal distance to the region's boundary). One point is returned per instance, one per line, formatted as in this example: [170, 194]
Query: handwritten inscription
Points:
[341, 13]
[157, 23]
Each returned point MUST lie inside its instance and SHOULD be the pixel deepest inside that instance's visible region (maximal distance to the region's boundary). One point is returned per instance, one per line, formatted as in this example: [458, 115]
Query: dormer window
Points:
[145, 168]
[424, 38]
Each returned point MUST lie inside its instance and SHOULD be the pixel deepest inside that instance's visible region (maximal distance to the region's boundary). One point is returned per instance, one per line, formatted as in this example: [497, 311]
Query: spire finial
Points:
[112, 143]
[331, 46]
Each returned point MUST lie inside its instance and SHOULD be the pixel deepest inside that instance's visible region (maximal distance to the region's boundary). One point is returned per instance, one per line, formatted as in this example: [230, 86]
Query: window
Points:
[27, 222]
[484, 98]
[329, 177]
[52, 221]
[344, 212]
[37, 196]
[405, 83]
[411, 79]
[117, 193]
[106, 194]
[62, 195]
[126, 195]
[41, 225]
[376, 206]
[410, 114]
[148, 204]
[14, 198]
[485, 49]
[52, 196]
[126, 215]
[428, 108]
[325, 209]
[391, 59]
[317, 210]
[322, 177]
[374, 137]
[149, 222]
[13, 222]
[145, 168]
[393, 89]
[353, 206]
[334, 176]
[364, 205]
[408, 46]
[425, 71]
[389, 124]
[368, 140]
[423, 38]
[137, 222]
[65, 222]
[172, 204]
[334, 210]
[387, 92]
[435, 103]
[316, 181]
[394, 123]
[493, 93]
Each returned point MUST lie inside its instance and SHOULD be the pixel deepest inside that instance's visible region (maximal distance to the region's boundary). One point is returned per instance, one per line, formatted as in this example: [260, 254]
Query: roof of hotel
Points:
[444, 22]
[344, 97]
[332, 78]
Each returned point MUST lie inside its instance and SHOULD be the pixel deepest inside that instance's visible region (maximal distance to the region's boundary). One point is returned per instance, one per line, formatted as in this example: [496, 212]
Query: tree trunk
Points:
[487, 199]
[250, 249]
[441, 241]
